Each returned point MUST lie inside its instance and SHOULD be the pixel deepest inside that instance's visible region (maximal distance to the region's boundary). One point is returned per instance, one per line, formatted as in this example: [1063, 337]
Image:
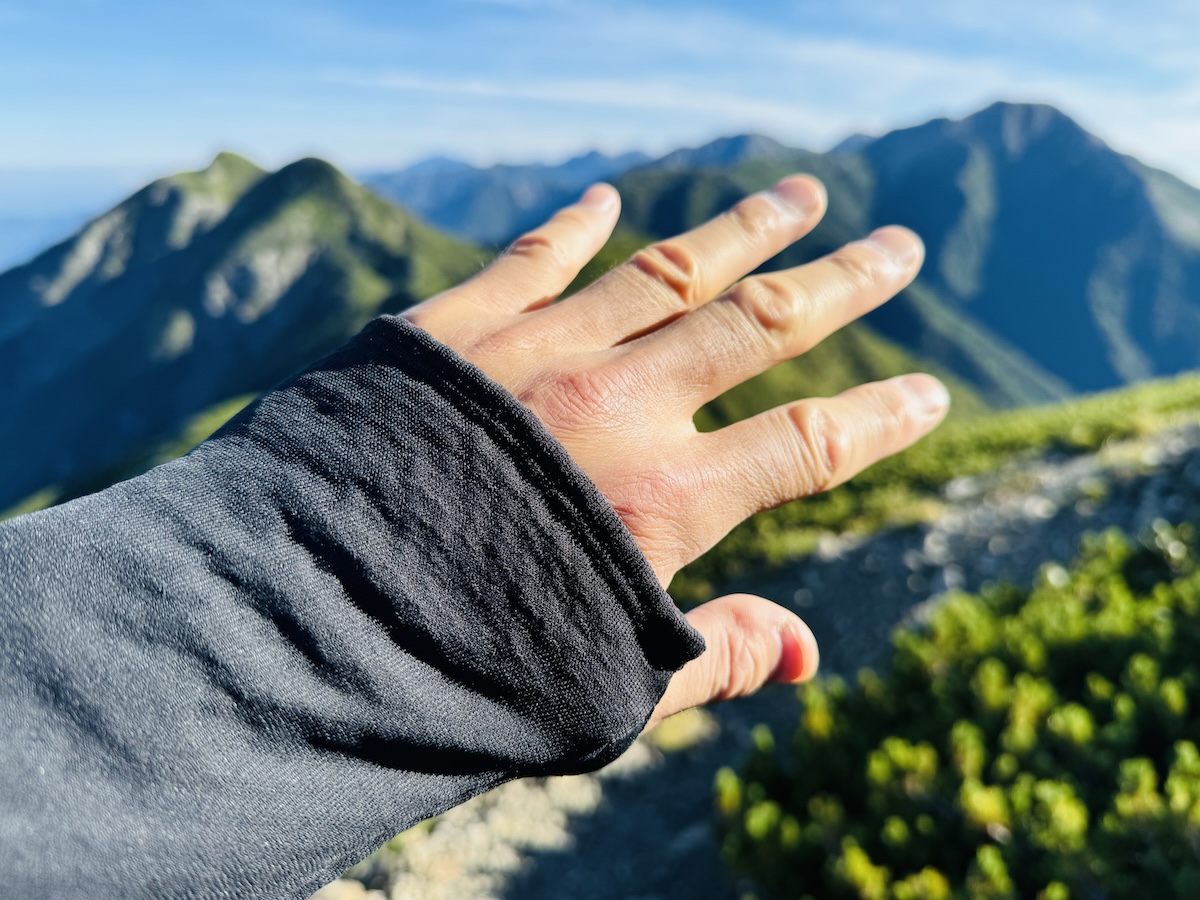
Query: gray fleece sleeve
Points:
[380, 590]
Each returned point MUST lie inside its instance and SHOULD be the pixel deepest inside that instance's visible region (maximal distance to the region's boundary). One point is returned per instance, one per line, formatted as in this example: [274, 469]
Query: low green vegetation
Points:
[909, 487]
[1025, 743]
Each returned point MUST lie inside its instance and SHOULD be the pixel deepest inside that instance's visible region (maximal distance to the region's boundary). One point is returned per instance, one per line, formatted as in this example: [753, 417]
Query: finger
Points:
[807, 447]
[544, 261]
[766, 319]
[535, 268]
[671, 277]
[749, 642]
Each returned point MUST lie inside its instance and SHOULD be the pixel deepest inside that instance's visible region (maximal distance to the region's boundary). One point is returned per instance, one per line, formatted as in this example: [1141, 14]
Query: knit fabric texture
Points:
[380, 590]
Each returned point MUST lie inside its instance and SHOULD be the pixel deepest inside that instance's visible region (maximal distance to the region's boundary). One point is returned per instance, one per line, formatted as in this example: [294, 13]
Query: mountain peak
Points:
[436, 165]
[1018, 125]
[227, 162]
[725, 151]
[853, 143]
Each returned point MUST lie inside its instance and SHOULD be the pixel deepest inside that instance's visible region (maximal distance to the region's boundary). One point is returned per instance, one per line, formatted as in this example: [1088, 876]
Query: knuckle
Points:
[823, 446]
[571, 400]
[507, 342]
[673, 265]
[757, 216]
[572, 218]
[893, 410]
[741, 664]
[537, 247]
[859, 264]
[768, 303]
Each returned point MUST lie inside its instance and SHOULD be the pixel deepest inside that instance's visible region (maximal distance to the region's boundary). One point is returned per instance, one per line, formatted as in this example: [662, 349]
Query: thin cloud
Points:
[614, 94]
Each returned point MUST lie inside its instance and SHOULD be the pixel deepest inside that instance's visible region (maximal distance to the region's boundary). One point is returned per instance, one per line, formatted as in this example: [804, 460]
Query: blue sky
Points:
[126, 90]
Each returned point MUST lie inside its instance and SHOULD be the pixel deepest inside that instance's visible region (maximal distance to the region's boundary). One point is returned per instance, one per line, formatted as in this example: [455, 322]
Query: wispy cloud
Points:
[615, 94]
[507, 79]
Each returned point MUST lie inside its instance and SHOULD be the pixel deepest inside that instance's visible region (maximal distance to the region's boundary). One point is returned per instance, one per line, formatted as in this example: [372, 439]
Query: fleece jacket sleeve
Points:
[380, 590]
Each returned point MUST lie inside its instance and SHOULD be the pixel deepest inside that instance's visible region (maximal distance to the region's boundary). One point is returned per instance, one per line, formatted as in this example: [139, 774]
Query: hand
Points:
[617, 371]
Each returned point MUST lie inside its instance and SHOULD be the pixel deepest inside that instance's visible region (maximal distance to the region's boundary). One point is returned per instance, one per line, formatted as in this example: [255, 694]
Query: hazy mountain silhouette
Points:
[724, 152]
[493, 205]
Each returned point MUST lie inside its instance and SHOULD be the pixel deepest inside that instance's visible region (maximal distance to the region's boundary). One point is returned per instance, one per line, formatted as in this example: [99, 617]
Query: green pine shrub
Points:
[1024, 743]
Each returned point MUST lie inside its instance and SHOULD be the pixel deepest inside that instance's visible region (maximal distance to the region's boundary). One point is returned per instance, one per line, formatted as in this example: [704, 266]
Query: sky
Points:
[96, 95]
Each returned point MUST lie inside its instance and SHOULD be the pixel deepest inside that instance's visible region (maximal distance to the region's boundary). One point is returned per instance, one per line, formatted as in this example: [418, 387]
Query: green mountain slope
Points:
[197, 289]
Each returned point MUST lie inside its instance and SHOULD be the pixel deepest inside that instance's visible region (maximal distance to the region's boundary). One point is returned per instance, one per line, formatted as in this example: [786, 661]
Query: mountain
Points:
[724, 152]
[493, 205]
[854, 143]
[197, 289]
[1084, 258]
[1055, 264]
[659, 203]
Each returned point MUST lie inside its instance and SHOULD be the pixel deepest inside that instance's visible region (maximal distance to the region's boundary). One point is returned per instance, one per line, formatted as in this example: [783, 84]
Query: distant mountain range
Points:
[1055, 266]
[491, 206]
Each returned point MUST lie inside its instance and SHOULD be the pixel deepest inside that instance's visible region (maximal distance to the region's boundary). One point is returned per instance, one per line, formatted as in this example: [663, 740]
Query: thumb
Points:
[750, 642]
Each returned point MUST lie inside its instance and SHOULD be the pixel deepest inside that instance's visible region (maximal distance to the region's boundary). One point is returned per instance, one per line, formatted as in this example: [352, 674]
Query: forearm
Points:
[381, 590]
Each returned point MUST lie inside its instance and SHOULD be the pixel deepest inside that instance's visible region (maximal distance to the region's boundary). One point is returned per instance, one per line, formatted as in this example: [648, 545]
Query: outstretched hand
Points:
[617, 371]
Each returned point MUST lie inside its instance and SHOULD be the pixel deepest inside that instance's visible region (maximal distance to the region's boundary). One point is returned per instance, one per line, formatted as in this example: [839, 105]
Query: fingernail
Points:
[799, 196]
[600, 197]
[929, 396]
[798, 657]
[899, 245]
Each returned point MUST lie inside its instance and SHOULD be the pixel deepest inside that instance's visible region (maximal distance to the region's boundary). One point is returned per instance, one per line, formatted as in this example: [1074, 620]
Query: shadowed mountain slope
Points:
[1083, 258]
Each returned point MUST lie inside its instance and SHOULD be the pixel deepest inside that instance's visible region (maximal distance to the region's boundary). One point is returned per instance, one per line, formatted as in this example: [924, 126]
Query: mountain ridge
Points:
[1055, 265]
[196, 289]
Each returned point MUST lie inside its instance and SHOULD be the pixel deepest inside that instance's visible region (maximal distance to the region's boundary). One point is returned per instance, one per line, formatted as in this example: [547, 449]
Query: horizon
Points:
[40, 207]
[118, 182]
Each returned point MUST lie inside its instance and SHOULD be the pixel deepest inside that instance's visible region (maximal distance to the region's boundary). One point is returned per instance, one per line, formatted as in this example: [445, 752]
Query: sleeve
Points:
[380, 590]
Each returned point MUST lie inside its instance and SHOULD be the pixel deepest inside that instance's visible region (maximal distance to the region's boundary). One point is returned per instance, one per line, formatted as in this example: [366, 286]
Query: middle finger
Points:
[671, 277]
